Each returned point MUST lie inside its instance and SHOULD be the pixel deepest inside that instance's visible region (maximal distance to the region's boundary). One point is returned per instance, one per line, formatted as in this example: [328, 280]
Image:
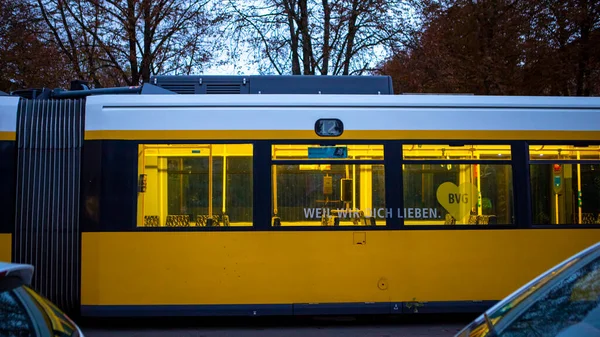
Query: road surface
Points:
[331, 327]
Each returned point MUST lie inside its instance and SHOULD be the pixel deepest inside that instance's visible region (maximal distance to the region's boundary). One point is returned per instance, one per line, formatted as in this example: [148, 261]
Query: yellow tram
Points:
[294, 204]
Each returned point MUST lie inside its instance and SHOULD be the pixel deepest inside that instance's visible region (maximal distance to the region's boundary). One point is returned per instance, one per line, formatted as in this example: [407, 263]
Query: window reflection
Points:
[14, 320]
[570, 308]
[328, 195]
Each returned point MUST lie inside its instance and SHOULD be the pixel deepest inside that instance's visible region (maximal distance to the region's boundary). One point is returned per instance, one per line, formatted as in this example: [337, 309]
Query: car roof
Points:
[22, 271]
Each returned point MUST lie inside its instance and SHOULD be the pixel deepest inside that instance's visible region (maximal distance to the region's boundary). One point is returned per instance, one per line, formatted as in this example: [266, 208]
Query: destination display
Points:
[328, 152]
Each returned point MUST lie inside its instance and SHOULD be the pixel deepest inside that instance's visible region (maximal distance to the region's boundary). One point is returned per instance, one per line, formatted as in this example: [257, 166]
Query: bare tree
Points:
[339, 37]
[27, 58]
[127, 41]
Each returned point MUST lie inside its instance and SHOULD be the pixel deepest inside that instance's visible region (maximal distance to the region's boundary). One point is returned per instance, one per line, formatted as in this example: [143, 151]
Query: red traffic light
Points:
[556, 167]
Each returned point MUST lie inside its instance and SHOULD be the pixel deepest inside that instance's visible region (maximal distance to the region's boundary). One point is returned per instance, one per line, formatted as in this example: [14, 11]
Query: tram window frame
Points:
[536, 161]
[276, 224]
[392, 162]
[508, 162]
[139, 217]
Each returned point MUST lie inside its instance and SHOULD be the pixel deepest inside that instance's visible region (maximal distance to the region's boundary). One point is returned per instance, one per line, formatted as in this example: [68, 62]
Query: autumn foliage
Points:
[27, 59]
[486, 47]
[502, 47]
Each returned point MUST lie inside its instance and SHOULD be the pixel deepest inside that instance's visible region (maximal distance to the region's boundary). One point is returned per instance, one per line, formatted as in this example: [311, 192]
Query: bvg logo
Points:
[456, 199]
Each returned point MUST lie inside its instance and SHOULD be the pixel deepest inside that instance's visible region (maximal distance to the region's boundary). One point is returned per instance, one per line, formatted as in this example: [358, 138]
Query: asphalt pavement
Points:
[318, 327]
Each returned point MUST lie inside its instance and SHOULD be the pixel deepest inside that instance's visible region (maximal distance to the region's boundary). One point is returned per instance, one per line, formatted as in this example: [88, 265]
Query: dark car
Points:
[24, 312]
[562, 302]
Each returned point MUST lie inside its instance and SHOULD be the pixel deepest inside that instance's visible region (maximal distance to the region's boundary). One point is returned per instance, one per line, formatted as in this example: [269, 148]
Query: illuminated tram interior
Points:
[567, 191]
[195, 185]
[211, 185]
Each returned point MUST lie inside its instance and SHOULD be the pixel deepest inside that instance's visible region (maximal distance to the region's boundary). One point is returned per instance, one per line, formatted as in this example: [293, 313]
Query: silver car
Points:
[562, 302]
[24, 312]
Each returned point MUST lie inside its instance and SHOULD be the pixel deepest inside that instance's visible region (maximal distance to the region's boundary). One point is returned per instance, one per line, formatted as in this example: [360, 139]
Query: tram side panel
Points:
[8, 160]
[131, 266]
[213, 273]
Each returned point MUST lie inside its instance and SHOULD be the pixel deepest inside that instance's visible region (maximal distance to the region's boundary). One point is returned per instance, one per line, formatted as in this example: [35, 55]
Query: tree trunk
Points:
[352, 29]
[132, 39]
[326, 37]
[583, 72]
[290, 6]
[307, 53]
[146, 65]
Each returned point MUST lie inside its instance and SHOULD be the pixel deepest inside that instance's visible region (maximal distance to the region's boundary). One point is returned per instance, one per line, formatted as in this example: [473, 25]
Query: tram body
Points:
[8, 125]
[327, 204]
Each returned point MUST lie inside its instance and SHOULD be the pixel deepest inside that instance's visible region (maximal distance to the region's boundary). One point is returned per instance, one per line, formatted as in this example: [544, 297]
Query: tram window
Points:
[565, 193]
[195, 185]
[454, 152]
[329, 195]
[333, 152]
[325, 193]
[457, 194]
[564, 152]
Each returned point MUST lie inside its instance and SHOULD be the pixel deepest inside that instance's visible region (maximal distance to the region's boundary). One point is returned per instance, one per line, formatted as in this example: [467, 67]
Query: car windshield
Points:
[570, 307]
[14, 318]
[564, 302]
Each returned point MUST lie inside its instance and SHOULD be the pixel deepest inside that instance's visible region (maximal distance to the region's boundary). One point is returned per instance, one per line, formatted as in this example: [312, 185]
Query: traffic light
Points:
[557, 168]
[558, 178]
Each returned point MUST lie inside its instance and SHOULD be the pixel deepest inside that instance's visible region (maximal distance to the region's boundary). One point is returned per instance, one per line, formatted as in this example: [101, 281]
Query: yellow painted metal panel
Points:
[8, 135]
[5, 247]
[178, 268]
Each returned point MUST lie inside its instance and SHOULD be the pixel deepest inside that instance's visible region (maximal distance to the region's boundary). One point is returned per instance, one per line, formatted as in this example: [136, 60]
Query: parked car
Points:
[562, 302]
[24, 312]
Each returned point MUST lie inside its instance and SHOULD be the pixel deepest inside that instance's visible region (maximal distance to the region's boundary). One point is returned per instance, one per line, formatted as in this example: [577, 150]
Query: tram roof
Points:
[364, 101]
[298, 91]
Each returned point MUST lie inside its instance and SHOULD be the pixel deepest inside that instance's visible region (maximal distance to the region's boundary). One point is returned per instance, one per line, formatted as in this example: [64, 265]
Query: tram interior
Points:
[183, 185]
[565, 183]
[177, 180]
[348, 193]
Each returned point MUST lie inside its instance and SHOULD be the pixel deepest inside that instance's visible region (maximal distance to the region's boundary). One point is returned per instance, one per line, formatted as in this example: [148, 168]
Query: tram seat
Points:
[202, 220]
[486, 220]
[182, 220]
[225, 220]
[589, 218]
[336, 220]
[370, 221]
[473, 220]
[335, 217]
[356, 218]
[151, 221]
[276, 221]
[482, 219]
